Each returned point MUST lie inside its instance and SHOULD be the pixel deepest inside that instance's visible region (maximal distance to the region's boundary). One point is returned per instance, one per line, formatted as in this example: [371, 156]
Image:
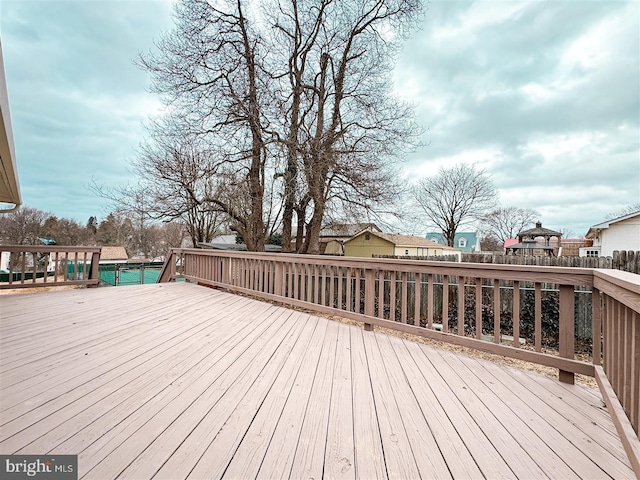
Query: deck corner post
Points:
[93, 272]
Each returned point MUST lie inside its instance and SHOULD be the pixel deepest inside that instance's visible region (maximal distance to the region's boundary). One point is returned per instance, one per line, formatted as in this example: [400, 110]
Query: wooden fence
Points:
[627, 261]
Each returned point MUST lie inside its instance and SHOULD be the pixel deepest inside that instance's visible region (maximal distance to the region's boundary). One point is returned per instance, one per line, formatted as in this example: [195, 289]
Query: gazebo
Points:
[528, 245]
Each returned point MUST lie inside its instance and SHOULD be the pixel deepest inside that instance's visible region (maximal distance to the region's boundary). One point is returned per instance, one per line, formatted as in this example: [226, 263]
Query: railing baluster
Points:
[339, 297]
[12, 266]
[326, 283]
[34, 259]
[478, 308]
[496, 311]
[309, 283]
[331, 282]
[445, 303]
[538, 316]
[296, 281]
[461, 305]
[516, 314]
[348, 277]
[66, 267]
[392, 296]
[404, 299]
[430, 300]
[417, 289]
[358, 292]
[56, 265]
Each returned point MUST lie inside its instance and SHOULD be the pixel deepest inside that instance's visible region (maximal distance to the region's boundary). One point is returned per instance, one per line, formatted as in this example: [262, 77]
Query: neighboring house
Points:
[333, 236]
[464, 241]
[370, 243]
[622, 233]
[226, 239]
[113, 255]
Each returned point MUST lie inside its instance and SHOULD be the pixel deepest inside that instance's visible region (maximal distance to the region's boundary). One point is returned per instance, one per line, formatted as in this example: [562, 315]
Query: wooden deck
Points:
[176, 381]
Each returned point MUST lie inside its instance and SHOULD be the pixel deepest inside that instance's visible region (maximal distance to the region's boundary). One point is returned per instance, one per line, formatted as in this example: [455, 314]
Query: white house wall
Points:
[623, 235]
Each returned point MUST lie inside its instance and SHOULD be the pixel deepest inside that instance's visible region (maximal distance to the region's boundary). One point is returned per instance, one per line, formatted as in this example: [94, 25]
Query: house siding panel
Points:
[361, 247]
[624, 235]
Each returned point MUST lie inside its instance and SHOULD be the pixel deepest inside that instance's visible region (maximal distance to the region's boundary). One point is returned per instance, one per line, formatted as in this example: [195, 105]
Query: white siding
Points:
[624, 235]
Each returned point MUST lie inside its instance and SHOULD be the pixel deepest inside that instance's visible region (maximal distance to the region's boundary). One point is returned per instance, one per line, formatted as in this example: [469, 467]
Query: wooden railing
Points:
[29, 266]
[460, 303]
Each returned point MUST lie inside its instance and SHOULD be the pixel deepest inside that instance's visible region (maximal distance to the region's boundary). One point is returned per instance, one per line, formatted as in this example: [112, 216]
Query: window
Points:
[592, 253]
[406, 252]
[367, 236]
[462, 243]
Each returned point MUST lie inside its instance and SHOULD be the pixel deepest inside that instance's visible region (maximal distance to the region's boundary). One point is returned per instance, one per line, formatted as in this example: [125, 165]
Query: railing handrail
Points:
[533, 273]
[625, 285]
[48, 248]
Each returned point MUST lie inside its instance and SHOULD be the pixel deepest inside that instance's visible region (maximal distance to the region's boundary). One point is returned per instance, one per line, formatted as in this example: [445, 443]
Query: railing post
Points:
[94, 271]
[566, 340]
[369, 296]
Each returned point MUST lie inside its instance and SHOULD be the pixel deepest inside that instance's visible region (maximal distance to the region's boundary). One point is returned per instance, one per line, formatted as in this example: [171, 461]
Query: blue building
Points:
[465, 241]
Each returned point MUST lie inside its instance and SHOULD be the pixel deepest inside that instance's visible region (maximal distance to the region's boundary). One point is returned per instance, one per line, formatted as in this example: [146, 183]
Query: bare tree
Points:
[454, 197]
[633, 208]
[507, 222]
[294, 99]
[23, 226]
[344, 127]
[209, 69]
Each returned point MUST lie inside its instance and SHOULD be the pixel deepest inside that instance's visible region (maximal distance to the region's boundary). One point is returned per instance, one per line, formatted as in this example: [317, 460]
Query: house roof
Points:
[113, 253]
[529, 246]
[470, 236]
[410, 241]
[9, 184]
[237, 247]
[606, 224]
[347, 230]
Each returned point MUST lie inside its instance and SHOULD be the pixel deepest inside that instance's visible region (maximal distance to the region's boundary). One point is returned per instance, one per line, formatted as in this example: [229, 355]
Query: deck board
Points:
[182, 381]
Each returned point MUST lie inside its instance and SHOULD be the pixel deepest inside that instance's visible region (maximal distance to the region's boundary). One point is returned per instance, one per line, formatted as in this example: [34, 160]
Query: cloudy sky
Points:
[544, 95]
